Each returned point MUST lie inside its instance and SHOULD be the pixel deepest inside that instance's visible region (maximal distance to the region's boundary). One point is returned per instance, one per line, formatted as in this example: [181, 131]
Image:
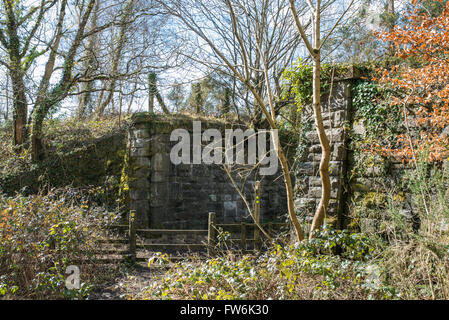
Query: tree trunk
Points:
[85, 100]
[151, 91]
[117, 54]
[20, 106]
[289, 189]
[154, 92]
[46, 99]
[391, 6]
[321, 210]
[20, 109]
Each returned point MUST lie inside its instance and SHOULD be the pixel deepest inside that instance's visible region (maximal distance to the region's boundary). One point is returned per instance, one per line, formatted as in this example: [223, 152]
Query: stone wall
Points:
[336, 114]
[165, 195]
[96, 162]
[180, 196]
[362, 183]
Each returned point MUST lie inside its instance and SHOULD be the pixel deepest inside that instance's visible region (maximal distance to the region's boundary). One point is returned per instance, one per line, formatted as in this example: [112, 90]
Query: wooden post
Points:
[132, 235]
[211, 235]
[270, 228]
[243, 237]
[257, 216]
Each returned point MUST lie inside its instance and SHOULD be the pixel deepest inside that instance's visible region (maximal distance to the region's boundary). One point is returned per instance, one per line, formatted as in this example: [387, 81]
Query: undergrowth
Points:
[40, 236]
[60, 136]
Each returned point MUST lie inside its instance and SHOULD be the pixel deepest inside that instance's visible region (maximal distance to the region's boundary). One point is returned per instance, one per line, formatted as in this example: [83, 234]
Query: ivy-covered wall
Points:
[374, 180]
[97, 163]
[357, 116]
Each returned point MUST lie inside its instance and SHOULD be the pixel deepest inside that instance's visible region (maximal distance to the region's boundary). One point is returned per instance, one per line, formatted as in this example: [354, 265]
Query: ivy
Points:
[298, 80]
[371, 103]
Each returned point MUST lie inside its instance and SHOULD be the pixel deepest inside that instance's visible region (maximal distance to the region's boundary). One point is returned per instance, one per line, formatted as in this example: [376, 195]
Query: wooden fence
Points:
[213, 233]
[216, 235]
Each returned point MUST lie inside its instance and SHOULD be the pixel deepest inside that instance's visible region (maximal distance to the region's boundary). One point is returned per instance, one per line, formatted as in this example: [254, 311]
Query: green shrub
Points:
[307, 270]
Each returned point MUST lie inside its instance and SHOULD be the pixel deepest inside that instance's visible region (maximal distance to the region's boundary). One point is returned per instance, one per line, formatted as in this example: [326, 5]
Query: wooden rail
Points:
[212, 233]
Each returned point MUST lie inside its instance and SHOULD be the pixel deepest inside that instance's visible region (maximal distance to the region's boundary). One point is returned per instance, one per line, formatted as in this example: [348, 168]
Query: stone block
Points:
[140, 161]
[307, 168]
[159, 192]
[339, 118]
[141, 183]
[336, 135]
[142, 209]
[141, 133]
[140, 143]
[316, 148]
[141, 172]
[157, 176]
[139, 152]
[160, 162]
[139, 194]
[338, 151]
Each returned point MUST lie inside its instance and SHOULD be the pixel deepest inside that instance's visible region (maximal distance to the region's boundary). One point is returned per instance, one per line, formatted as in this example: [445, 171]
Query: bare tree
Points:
[90, 65]
[117, 53]
[314, 49]
[19, 26]
[258, 78]
[153, 92]
[47, 96]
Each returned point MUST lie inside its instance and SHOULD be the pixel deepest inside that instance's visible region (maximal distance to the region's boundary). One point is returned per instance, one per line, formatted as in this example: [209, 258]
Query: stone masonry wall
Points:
[336, 113]
[165, 195]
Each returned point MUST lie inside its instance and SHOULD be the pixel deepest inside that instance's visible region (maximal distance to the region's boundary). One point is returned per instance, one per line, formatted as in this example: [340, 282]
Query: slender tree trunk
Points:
[85, 100]
[391, 14]
[153, 92]
[321, 210]
[391, 6]
[315, 52]
[20, 105]
[46, 99]
[7, 97]
[290, 202]
[20, 109]
[116, 57]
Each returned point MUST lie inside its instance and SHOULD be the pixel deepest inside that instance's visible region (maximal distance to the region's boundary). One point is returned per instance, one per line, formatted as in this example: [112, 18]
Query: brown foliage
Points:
[421, 81]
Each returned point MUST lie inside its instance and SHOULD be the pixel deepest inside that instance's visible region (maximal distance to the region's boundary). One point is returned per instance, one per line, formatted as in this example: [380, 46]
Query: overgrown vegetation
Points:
[308, 270]
[78, 153]
[392, 261]
[58, 201]
[40, 236]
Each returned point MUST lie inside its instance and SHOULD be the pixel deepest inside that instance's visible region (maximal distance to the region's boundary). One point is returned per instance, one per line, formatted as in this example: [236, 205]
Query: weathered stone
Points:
[336, 134]
[302, 204]
[139, 152]
[140, 161]
[158, 176]
[139, 194]
[182, 195]
[142, 209]
[141, 134]
[374, 171]
[316, 148]
[160, 162]
[338, 151]
[339, 118]
[142, 183]
[359, 128]
[141, 143]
